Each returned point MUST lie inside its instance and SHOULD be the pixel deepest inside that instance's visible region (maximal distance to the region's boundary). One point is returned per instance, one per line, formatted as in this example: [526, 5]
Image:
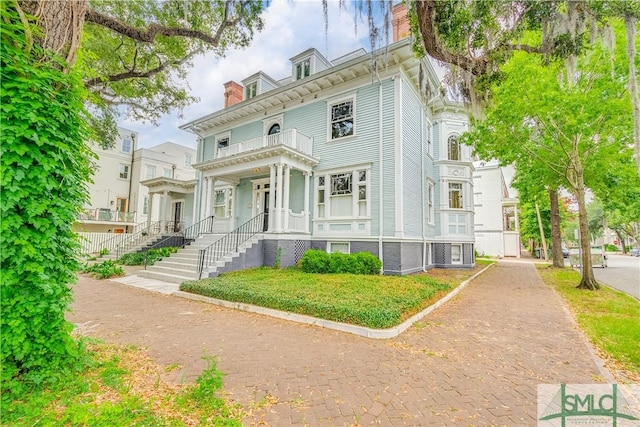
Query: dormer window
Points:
[303, 69]
[251, 90]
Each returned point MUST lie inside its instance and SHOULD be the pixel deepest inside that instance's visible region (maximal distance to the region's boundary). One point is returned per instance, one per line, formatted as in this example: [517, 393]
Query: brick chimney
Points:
[400, 22]
[232, 93]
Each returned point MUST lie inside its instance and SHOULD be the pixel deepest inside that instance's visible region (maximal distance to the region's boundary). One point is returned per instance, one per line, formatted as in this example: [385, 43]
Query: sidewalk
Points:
[475, 361]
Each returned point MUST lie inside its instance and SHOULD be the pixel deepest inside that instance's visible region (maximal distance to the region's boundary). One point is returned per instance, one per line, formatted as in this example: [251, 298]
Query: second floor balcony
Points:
[107, 215]
[291, 138]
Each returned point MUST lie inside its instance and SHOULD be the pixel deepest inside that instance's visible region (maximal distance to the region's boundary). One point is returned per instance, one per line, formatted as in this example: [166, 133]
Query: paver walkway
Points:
[475, 361]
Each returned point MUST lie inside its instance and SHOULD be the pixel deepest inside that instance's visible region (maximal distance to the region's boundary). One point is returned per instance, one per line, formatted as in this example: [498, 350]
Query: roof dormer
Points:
[257, 84]
[307, 63]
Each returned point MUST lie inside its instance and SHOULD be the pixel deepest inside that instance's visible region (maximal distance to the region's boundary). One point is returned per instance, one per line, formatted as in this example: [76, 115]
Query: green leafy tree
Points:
[53, 66]
[573, 122]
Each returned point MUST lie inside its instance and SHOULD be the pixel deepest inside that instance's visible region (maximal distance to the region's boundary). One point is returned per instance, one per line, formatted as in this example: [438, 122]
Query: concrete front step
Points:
[171, 278]
[182, 271]
[176, 265]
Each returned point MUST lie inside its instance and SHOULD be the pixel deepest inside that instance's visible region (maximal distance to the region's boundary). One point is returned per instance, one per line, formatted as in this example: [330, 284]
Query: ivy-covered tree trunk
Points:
[45, 168]
[61, 23]
[556, 233]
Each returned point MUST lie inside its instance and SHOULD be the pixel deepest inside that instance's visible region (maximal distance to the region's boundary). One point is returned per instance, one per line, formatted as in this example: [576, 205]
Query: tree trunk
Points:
[542, 239]
[630, 24]
[61, 23]
[556, 235]
[588, 279]
[621, 240]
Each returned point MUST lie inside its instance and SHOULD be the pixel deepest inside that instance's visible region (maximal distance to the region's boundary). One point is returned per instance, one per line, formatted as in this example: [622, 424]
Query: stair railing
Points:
[138, 238]
[201, 227]
[229, 243]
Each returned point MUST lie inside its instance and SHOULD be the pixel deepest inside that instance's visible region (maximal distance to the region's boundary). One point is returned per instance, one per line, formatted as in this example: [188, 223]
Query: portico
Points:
[253, 180]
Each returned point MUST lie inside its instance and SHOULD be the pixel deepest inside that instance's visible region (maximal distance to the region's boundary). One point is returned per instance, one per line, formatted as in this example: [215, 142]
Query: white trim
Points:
[268, 123]
[398, 184]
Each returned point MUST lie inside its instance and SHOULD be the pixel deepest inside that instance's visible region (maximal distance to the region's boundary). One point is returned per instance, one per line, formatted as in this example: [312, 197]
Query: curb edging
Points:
[362, 331]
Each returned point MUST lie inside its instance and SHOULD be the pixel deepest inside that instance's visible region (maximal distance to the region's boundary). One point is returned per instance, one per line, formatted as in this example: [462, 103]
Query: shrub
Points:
[317, 261]
[103, 270]
[610, 248]
[152, 255]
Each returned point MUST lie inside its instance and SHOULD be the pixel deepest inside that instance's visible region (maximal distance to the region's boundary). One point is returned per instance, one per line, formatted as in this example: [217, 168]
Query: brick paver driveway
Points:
[475, 361]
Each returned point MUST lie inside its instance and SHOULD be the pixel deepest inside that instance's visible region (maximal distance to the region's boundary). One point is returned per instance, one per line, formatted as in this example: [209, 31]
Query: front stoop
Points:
[182, 266]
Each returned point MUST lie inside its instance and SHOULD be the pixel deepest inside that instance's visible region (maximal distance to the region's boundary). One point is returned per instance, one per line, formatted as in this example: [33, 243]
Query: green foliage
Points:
[113, 390]
[104, 251]
[103, 270]
[610, 248]
[367, 300]
[152, 255]
[318, 261]
[149, 78]
[45, 168]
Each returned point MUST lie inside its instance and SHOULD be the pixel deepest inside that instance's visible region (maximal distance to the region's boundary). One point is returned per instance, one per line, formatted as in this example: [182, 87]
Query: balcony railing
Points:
[106, 215]
[289, 137]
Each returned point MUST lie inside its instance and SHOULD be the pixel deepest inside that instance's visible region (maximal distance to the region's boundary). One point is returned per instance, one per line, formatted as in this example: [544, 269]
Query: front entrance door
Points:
[265, 209]
[177, 216]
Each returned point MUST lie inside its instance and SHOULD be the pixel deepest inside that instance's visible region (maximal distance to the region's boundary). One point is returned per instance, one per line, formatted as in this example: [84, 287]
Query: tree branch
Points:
[138, 74]
[426, 12]
[154, 30]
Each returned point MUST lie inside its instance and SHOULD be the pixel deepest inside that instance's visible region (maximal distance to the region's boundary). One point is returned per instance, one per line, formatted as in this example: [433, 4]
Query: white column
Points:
[286, 190]
[515, 207]
[306, 202]
[279, 198]
[166, 209]
[203, 198]
[149, 209]
[232, 211]
[271, 209]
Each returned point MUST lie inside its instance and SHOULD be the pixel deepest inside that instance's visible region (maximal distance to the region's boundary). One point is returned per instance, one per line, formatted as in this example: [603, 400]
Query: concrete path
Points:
[475, 361]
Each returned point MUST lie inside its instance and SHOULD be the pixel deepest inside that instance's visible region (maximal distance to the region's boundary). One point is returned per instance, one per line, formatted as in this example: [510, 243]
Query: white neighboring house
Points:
[496, 222]
[118, 201]
[108, 209]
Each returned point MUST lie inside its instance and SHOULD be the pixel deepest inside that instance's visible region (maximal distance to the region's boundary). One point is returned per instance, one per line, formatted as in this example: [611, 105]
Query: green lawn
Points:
[372, 301]
[365, 300]
[611, 319]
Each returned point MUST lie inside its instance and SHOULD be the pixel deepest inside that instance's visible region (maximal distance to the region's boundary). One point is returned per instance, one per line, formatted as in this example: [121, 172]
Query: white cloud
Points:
[290, 28]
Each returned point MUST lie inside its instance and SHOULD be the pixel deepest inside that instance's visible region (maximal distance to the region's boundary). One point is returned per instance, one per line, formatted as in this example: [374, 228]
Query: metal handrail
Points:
[135, 239]
[201, 227]
[230, 242]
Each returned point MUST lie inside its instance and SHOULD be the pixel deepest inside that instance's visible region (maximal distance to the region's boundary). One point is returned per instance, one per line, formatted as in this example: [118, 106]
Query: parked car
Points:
[565, 252]
[634, 251]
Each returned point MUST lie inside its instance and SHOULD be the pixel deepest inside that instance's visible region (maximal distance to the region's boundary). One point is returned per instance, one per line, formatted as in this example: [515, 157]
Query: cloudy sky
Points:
[291, 26]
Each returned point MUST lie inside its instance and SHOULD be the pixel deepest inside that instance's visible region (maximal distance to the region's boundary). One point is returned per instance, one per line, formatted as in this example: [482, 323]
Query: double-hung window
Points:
[251, 90]
[219, 203]
[151, 172]
[455, 195]
[303, 69]
[187, 160]
[126, 145]
[166, 173]
[341, 116]
[124, 171]
[453, 148]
